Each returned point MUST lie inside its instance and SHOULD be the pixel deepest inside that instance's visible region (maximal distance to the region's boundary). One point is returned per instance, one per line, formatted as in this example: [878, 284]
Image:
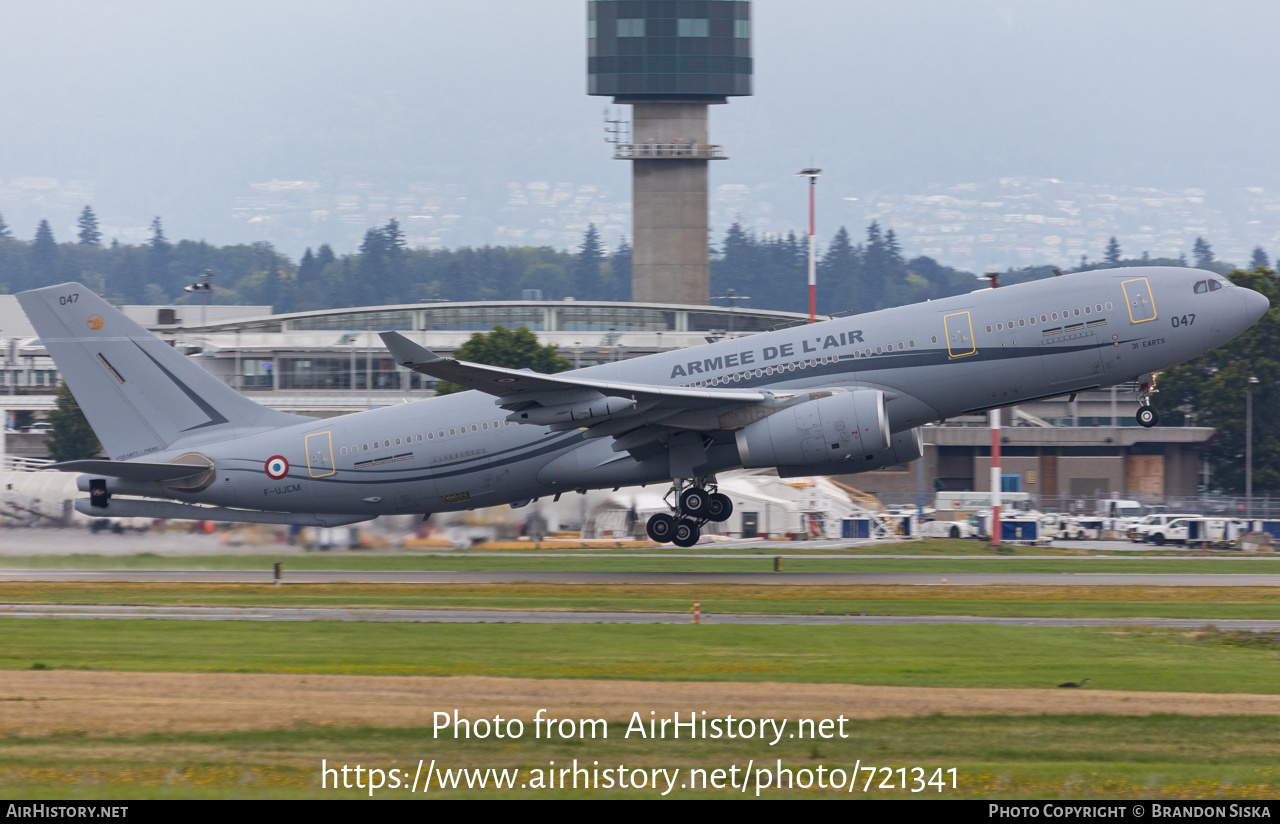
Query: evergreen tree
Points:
[1203, 253]
[70, 437]
[157, 268]
[44, 253]
[393, 237]
[308, 269]
[837, 275]
[1112, 255]
[373, 286]
[620, 271]
[1260, 258]
[324, 256]
[513, 349]
[158, 240]
[4, 229]
[88, 224]
[586, 282]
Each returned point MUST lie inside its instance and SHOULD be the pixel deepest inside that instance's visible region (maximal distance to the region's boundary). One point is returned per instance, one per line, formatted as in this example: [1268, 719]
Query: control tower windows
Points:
[693, 28]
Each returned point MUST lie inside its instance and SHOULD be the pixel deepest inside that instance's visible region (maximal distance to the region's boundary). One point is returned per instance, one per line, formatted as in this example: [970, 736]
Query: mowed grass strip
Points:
[998, 601]
[1163, 756]
[607, 561]
[939, 656]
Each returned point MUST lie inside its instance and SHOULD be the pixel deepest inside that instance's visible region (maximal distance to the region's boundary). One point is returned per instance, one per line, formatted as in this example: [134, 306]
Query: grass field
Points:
[1001, 601]
[942, 656]
[1008, 757]
[605, 561]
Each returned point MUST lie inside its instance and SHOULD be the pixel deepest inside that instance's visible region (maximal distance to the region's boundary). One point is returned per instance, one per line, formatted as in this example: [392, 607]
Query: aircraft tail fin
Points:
[139, 394]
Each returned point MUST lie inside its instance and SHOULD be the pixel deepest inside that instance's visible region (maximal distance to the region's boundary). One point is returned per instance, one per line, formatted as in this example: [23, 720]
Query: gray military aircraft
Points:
[840, 396]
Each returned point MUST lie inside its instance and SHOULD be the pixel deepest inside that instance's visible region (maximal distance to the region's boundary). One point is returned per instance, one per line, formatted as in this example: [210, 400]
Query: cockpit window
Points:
[1214, 285]
[1201, 287]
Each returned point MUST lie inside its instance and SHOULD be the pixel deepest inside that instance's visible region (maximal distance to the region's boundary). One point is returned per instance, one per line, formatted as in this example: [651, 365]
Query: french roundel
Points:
[277, 467]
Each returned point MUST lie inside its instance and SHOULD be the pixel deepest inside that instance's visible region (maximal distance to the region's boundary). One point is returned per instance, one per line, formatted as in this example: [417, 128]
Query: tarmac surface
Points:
[494, 616]
[194, 576]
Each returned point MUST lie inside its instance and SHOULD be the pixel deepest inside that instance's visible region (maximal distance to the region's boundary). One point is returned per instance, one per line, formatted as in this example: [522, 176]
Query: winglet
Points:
[406, 352]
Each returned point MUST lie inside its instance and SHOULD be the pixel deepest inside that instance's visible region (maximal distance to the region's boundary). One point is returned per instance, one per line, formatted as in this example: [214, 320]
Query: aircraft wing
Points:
[516, 387]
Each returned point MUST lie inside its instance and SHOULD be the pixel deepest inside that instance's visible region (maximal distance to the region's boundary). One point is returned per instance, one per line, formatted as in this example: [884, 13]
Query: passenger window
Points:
[1214, 286]
[1021, 322]
[1201, 287]
[988, 328]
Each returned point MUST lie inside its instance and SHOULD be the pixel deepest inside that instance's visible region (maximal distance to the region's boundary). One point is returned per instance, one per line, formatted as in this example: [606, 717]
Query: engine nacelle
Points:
[903, 447]
[839, 427]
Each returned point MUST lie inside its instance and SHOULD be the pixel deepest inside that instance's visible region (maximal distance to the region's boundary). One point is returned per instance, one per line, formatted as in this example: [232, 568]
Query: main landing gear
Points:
[696, 504]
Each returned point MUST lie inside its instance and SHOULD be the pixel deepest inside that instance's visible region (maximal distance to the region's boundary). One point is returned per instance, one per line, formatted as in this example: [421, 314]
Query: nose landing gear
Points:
[1147, 415]
[697, 502]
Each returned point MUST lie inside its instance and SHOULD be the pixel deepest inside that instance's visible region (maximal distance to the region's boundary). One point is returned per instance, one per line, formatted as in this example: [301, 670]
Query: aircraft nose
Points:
[1255, 305]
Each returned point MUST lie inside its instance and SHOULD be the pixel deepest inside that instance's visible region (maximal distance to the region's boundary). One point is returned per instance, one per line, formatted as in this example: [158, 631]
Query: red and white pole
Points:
[812, 174]
[995, 477]
[697, 611]
[813, 253]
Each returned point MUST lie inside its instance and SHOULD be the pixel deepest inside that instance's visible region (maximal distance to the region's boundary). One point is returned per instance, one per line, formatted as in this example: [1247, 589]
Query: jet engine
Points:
[828, 428]
[903, 447]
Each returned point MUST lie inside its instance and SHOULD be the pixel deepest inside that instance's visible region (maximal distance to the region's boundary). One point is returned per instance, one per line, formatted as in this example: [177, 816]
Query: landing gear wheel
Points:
[719, 508]
[1147, 416]
[661, 528]
[695, 502]
[687, 533]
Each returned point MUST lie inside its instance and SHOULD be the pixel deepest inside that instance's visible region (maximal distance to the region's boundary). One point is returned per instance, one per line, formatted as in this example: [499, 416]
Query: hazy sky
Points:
[173, 108]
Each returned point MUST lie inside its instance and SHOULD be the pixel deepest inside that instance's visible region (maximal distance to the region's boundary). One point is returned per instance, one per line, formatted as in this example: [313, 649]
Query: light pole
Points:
[1248, 446]
[812, 174]
[732, 297]
[205, 286]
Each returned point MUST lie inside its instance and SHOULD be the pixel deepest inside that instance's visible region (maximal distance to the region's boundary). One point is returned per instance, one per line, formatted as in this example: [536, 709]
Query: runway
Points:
[1108, 579]
[495, 616]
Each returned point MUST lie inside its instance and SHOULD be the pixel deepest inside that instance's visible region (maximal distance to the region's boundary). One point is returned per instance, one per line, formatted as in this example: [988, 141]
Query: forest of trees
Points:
[766, 272]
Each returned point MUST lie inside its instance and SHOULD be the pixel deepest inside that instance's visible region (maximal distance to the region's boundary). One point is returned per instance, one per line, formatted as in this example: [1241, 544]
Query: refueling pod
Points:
[829, 428]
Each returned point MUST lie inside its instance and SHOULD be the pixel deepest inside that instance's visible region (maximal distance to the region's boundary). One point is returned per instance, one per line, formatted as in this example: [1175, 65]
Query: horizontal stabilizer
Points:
[132, 470]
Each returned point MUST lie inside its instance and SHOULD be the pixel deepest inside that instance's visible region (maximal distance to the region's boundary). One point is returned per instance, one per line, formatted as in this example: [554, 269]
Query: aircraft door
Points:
[320, 455]
[959, 328]
[1138, 297]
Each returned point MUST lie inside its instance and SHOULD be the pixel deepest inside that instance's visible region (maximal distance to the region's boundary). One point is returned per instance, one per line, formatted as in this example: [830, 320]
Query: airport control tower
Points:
[669, 59]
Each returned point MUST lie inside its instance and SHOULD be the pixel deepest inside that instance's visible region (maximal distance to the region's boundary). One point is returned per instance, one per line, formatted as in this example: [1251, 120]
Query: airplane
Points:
[839, 396]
